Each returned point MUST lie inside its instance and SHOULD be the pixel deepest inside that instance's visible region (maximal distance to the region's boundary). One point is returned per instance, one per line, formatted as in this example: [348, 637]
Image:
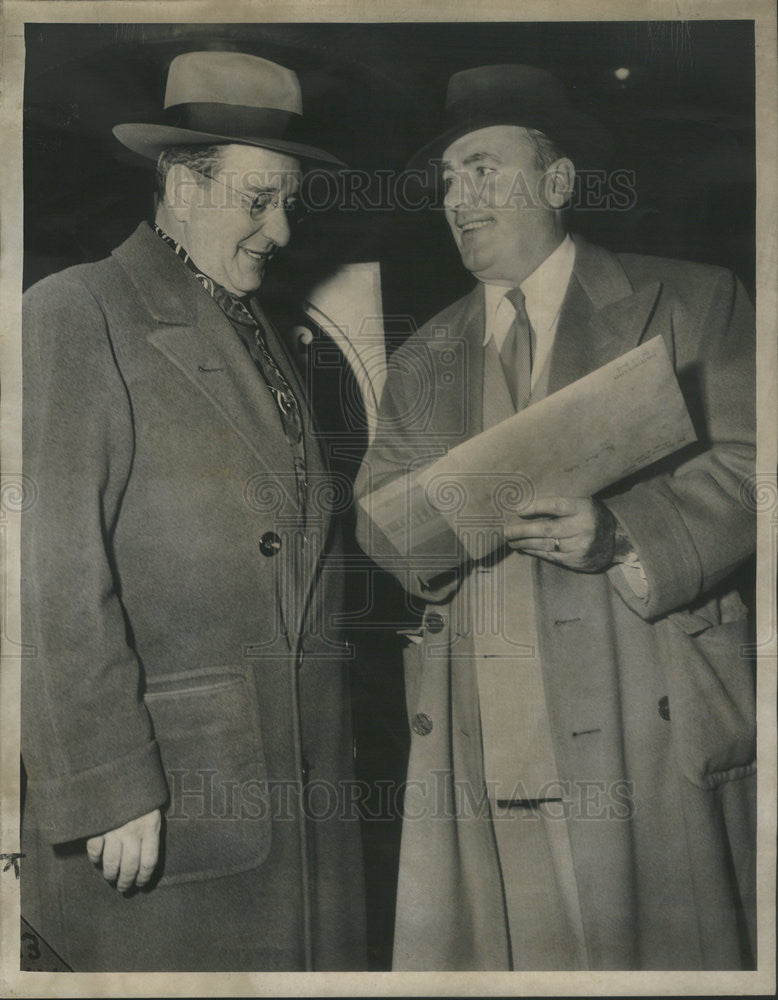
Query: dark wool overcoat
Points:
[182, 620]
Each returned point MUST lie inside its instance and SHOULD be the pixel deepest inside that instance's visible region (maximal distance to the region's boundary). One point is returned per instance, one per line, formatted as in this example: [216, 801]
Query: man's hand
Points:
[576, 532]
[129, 853]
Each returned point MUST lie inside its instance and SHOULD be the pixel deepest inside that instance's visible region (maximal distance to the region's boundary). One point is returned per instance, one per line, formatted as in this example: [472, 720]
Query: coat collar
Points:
[603, 315]
[162, 282]
[192, 332]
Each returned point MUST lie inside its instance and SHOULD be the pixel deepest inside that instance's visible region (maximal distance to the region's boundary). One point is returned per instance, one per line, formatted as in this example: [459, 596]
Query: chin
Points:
[475, 264]
[247, 287]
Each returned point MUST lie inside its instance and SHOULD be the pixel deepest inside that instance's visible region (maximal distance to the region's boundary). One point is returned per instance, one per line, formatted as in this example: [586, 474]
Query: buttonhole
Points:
[587, 732]
[201, 368]
[523, 803]
[566, 621]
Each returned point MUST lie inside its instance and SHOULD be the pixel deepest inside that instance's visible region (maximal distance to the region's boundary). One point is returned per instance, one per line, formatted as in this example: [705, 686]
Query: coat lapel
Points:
[602, 316]
[193, 333]
[457, 410]
[472, 333]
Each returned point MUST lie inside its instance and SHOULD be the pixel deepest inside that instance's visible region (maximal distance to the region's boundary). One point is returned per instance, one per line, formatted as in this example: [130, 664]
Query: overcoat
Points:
[650, 700]
[180, 615]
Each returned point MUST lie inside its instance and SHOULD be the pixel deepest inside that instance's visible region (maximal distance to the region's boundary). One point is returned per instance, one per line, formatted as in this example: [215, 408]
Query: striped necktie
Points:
[516, 352]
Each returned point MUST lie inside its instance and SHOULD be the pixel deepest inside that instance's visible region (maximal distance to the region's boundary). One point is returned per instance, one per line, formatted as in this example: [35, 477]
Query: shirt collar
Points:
[544, 291]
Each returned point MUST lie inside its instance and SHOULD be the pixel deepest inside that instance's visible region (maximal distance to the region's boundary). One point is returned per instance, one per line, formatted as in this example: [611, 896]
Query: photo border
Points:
[15, 15]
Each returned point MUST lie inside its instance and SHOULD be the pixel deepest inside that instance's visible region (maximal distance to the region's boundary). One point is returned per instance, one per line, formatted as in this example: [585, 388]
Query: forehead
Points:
[504, 142]
[260, 168]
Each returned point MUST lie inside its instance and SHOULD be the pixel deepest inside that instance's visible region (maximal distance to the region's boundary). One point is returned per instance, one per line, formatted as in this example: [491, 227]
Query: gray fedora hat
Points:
[510, 94]
[215, 98]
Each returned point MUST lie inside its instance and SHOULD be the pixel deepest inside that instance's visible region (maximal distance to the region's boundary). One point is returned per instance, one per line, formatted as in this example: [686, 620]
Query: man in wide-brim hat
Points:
[188, 680]
[581, 776]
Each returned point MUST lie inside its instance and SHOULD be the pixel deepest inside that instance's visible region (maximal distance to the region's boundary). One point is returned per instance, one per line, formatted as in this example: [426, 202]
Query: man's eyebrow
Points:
[473, 158]
[270, 189]
[268, 181]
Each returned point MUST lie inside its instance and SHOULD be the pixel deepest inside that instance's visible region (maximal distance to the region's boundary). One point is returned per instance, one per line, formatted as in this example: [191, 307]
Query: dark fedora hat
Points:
[510, 94]
[215, 98]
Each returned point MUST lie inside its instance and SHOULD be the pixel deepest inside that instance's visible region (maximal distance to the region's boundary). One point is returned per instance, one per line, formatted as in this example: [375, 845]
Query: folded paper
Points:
[593, 433]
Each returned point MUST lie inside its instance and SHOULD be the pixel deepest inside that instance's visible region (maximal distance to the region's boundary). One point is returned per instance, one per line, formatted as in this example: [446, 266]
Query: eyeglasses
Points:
[296, 212]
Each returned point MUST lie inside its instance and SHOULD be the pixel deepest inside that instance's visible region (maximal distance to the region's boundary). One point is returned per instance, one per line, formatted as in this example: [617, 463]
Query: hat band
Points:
[236, 120]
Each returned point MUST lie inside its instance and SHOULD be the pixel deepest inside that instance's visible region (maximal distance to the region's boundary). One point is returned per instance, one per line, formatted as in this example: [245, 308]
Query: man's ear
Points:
[182, 189]
[559, 183]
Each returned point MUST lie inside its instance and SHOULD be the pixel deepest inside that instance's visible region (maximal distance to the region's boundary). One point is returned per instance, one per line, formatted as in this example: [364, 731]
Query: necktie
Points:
[239, 312]
[516, 352]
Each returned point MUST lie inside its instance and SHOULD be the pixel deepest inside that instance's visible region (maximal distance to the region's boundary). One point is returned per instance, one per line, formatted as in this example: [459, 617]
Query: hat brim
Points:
[585, 140]
[149, 140]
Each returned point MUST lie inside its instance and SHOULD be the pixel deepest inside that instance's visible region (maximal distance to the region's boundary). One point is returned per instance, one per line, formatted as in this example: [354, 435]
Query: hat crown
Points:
[232, 78]
[513, 94]
[507, 88]
[228, 97]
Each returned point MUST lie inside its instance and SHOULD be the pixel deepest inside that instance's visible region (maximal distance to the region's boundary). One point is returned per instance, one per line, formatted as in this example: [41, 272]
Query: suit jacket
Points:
[180, 607]
[651, 701]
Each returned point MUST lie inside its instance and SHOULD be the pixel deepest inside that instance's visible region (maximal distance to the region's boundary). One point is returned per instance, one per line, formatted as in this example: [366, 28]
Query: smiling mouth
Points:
[259, 255]
[473, 224]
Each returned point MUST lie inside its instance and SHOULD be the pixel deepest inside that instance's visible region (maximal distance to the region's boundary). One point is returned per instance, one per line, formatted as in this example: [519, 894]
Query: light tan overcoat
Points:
[651, 702]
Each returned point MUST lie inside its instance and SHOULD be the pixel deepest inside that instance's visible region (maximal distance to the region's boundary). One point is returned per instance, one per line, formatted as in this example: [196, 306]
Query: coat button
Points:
[269, 543]
[664, 707]
[434, 622]
[421, 724]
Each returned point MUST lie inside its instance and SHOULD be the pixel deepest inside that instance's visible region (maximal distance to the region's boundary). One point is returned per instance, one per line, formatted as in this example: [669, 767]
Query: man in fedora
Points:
[185, 730]
[581, 777]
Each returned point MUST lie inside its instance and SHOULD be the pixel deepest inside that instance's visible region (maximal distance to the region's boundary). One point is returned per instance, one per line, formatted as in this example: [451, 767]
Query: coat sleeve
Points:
[90, 757]
[693, 527]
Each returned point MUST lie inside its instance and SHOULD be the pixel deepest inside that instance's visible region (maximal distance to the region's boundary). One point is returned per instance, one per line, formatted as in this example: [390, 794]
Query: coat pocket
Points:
[217, 821]
[712, 697]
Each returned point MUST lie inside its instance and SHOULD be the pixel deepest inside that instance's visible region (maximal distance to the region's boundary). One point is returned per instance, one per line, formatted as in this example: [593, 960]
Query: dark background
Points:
[682, 121]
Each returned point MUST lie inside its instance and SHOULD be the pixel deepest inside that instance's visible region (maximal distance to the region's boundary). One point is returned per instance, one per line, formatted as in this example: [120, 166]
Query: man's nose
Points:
[461, 193]
[275, 225]
[453, 196]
